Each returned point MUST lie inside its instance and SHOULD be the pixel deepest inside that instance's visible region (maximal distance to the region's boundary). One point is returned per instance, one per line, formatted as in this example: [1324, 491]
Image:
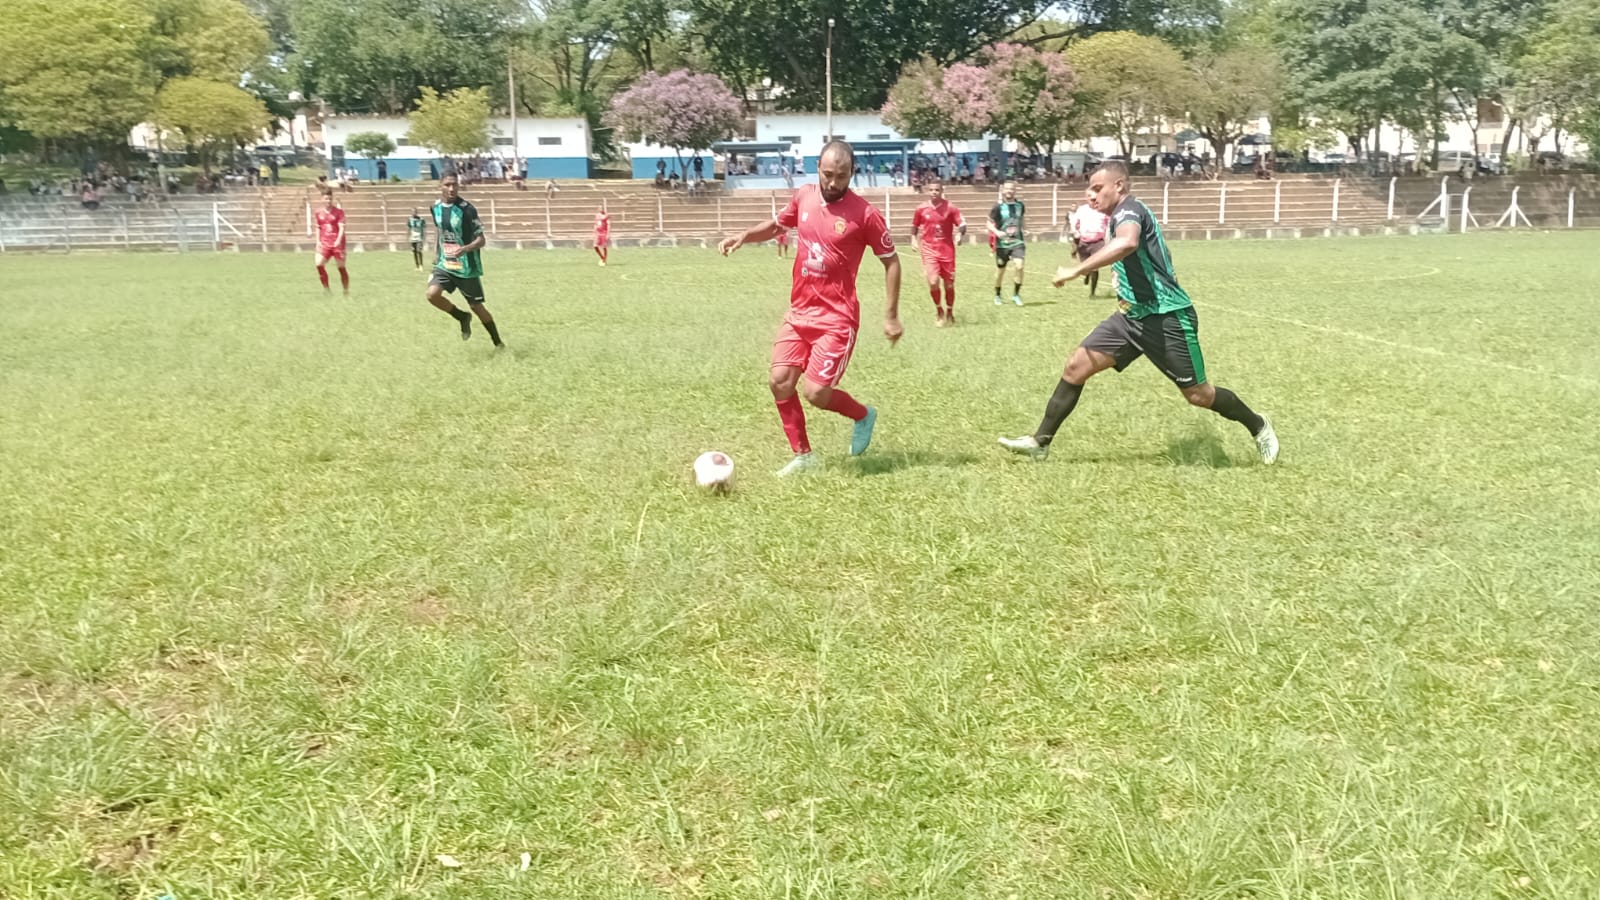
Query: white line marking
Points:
[1410, 348]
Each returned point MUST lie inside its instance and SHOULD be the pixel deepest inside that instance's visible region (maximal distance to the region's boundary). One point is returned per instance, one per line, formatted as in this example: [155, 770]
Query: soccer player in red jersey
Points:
[834, 227]
[602, 233]
[934, 227]
[330, 242]
[783, 244]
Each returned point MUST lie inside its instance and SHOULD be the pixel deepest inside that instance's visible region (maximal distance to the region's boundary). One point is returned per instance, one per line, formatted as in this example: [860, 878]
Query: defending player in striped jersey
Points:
[1155, 319]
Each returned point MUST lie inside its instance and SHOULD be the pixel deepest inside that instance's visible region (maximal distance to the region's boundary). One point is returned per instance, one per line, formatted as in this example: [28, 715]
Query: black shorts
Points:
[416, 246]
[1003, 256]
[1087, 249]
[471, 288]
[1170, 340]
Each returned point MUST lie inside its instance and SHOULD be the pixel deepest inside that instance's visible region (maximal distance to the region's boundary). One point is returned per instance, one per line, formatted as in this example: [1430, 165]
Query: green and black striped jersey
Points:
[1145, 280]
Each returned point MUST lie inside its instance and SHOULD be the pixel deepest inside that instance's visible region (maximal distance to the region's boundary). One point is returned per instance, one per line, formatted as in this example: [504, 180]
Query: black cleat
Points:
[466, 327]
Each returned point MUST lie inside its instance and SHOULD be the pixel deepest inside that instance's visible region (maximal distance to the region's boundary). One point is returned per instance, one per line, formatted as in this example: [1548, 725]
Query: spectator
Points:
[383, 172]
[90, 198]
[433, 170]
[699, 167]
[273, 165]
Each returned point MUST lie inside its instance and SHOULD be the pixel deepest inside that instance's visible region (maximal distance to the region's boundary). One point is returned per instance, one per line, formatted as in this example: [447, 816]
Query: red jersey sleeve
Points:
[917, 218]
[875, 233]
[789, 216]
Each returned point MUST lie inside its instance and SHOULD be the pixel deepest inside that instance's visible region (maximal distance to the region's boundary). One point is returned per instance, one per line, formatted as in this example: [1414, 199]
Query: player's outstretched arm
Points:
[892, 328]
[1121, 245]
[766, 231]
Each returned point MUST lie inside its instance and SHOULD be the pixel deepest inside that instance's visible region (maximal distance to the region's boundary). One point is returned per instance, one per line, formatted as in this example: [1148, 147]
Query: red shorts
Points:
[939, 266]
[821, 349]
[602, 239]
[330, 252]
[783, 238]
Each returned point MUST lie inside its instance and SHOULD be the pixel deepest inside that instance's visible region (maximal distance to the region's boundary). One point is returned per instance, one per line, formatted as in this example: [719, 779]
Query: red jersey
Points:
[329, 222]
[602, 224]
[936, 227]
[832, 237]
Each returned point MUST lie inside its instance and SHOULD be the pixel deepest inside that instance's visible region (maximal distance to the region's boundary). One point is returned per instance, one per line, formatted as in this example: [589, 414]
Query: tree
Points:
[371, 144]
[376, 55]
[1035, 91]
[1129, 82]
[94, 93]
[680, 109]
[209, 113]
[1560, 73]
[751, 40]
[1228, 90]
[454, 124]
[941, 104]
[217, 40]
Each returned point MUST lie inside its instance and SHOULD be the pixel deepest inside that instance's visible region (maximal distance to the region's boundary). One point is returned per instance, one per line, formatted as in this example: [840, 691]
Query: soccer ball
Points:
[713, 471]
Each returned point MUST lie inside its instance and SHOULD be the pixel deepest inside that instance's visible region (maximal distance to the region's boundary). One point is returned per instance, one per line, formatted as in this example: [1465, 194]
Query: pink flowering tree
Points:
[1034, 96]
[941, 104]
[682, 110]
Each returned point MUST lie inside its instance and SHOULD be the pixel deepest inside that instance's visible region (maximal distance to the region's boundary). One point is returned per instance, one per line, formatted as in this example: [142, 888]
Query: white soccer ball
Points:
[713, 471]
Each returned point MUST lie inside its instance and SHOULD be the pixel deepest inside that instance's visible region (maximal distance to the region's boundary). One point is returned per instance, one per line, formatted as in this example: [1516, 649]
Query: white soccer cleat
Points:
[1027, 445]
[803, 462]
[1267, 442]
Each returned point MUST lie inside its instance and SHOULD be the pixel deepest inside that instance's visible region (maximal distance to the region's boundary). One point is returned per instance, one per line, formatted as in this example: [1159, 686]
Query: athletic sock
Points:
[950, 296]
[933, 291]
[322, 273]
[1057, 410]
[846, 405]
[459, 314]
[494, 333]
[793, 415]
[1228, 405]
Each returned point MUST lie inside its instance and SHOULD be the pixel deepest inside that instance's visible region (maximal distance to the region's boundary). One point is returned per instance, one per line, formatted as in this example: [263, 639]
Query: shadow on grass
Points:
[1198, 449]
[895, 460]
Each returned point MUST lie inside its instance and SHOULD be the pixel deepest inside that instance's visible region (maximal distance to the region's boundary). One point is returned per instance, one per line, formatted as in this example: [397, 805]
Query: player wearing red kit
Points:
[602, 233]
[330, 242]
[834, 227]
[934, 227]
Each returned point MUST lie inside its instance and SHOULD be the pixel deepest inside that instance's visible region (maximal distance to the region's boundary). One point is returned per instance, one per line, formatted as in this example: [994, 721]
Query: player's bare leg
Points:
[344, 277]
[1227, 404]
[783, 380]
[322, 273]
[1082, 365]
[1016, 281]
[938, 303]
[463, 318]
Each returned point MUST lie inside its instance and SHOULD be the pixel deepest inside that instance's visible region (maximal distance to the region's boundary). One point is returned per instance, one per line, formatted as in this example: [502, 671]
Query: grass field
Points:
[298, 594]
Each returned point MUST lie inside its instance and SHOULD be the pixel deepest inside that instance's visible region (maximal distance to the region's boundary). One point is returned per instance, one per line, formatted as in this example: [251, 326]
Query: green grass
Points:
[297, 594]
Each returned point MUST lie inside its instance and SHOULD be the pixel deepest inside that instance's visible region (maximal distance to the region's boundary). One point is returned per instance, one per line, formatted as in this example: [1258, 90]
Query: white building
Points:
[552, 148]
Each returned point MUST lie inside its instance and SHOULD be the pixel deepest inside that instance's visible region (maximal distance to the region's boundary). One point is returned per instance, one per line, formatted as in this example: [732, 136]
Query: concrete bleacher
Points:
[279, 218]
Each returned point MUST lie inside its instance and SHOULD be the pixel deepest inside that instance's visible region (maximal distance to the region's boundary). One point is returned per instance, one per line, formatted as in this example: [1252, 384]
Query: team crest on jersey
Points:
[839, 226]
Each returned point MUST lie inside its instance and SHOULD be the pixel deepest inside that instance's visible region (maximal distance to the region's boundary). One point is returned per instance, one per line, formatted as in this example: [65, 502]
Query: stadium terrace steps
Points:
[640, 213]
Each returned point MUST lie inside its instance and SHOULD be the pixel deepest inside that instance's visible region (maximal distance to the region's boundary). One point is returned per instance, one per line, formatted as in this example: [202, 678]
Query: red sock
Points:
[344, 278]
[604, 252]
[950, 295]
[793, 414]
[322, 274]
[846, 405]
[933, 291]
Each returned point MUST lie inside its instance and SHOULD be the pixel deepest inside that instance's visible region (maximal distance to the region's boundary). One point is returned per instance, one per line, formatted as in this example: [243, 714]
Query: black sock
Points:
[459, 314]
[494, 333]
[1057, 410]
[1229, 406]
